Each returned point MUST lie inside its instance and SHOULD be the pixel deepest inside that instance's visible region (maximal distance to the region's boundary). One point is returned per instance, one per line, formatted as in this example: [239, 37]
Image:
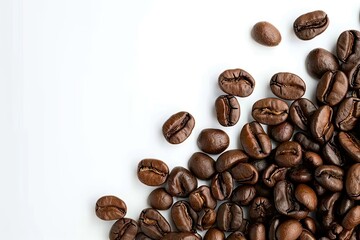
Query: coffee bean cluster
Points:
[297, 174]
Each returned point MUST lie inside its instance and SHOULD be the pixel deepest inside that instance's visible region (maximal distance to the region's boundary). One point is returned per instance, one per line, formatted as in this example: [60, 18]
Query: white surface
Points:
[85, 86]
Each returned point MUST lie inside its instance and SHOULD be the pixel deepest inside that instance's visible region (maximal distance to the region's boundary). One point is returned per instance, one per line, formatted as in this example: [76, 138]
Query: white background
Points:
[85, 86]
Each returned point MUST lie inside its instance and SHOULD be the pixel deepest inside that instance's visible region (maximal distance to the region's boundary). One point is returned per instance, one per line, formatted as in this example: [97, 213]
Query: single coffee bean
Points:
[287, 86]
[214, 234]
[266, 34]
[306, 142]
[281, 132]
[229, 159]
[348, 114]
[332, 88]
[183, 216]
[229, 217]
[243, 194]
[348, 45]
[227, 110]
[319, 61]
[180, 182]
[300, 112]
[257, 231]
[306, 196]
[352, 218]
[152, 172]
[272, 174]
[222, 185]
[321, 126]
[309, 224]
[110, 208]
[124, 228]
[288, 154]
[201, 198]
[159, 199]
[270, 111]
[330, 177]
[202, 166]
[306, 235]
[311, 24]
[261, 210]
[331, 152]
[352, 183]
[289, 230]
[312, 159]
[206, 219]
[237, 235]
[300, 174]
[350, 144]
[178, 127]
[352, 71]
[213, 141]
[244, 173]
[273, 225]
[181, 236]
[255, 142]
[153, 224]
[236, 82]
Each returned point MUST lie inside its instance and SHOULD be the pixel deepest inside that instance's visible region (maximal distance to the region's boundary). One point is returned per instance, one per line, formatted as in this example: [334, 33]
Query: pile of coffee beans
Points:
[297, 174]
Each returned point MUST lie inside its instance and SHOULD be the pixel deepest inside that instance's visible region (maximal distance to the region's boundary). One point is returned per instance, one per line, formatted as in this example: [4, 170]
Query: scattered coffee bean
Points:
[229, 217]
[180, 182]
[227, 110]
[178, 127]
[311, 24]
[281, 132]
[159, 199]
[183, 216]
[270, 111]
[202, 165]
[201, 198]
[213, 141]
[236, 82]
[110, 208]
[124, 228]
[214, 234]
[300, 112]
[332, 88]
[153, 224]
[350, 144]
[319, 61]
[152, 172]
[352, 183]
[266, 34]
[287, 86]
[348, 45]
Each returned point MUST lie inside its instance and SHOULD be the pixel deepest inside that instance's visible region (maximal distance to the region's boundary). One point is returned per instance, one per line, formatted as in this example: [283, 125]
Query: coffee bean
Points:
[266, 34]
[330, 177]
[309, 224]
[180, 182]
[260, 164]
[300, 174]
[272, 174]
[206, 219]
[312, 159]
[222, 185]
[142, 236]
[306, 196]
[348, 45]
[288, 154]
[243, 194]
[306, 142]
[229, 159]
[178, 127]
[213, 141]
[281, 132]
[350, 144]
[257, 231]
[289, 230]
[214, 234]
[244, 173]
[201, 198]
[236, 82]
[306, 235]
[332, 88]
[321, 126]
[229, 217]
[273, 225]
[124, 228]
[110, 208]
[311, 24]
[352, 183]
[331, 152]
[159, 199]
[344, 205]
[319, 61]
[202, 165]
[227, 110]
[153, 224]
[261, 210]
[152, 172]
[287, 86]
[270, 111]
[183, 216]
[300, 112]
[181, 236]
[236, 236]
[348, 114]
[352, 218]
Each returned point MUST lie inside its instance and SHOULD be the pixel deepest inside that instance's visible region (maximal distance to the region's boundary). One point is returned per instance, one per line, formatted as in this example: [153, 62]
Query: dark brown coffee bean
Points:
[306, 142]
[236, 236]
[124, 229]
[312, 159]
[266, 34]
[320, 190]
[257, 231]
[244, 173]
[222, 185]
[178, 127]
[183, 216]
[236, 82]
[309, 224]
[352, 71]
[229, 217]
[202, 165]
[229, 159]
[306, 196]
[311, 24]
[332, 88]
[287, 86]
[180, 182]
[160, 199]
[206, 219]
[348, 114]
[260, 164]
[214, 234]
[352, 183]
[255, 142]
[201, 198]
[270, 111]
[281, 132]
[334, 230]
[350, 144]
[300, 112]
[181, 236]
[321, 126]
[348, 45]
[153, 224]
[261, 210]
[243, 194]
[289, 230]
[272, 174]
[288, 154]
[244, 228]
[152, 172]
[306, 235]
[227, 110]
[273, 225]
[110, 208]
[319, 61]
[330, 177]
[332, 153]
[300, 174]
[213, 141]
[344, 205]
[352, 218]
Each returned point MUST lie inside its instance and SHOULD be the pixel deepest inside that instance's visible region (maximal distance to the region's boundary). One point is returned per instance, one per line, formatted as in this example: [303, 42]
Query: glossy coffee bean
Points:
[281, 132]
[152, 172]
[272, 174]
[236, 82]
[348, 114]
[257, 231]
[348, 45]
[236, 236]
[288, 86]
[351, 144]
[206, 219]
[306, 235]
[243, 194]
[261, 210]
[327, 209]
[344, 205]
[124, 228]
[183, 216]
[110, 208]
[332, 88]
[306, 142]
[300, 174]
[178, 127]
[270, 111]
[311, 24]
[288, 154]
[201, 198]
[153, 224]
[222, 185]
[214, 234]
[244, 173]
[159, 199]
[289, 230]
[309, 224]
[202, 165]
[321, 126]
[229, 217]
[332, 153]
[227, 110]
[229, 159]
[181, 182]
[181, 236]
[352, 183]
[319, 61]
[266, 34]
[300, 112]
[352, 71]
[352, 218]
[312, 159]
[306, 196]
[213, 141]
[330, 177]
[260, 164]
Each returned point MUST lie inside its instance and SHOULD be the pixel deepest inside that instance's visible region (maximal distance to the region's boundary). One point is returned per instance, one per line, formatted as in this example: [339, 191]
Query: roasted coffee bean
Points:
[214, 234]
[288, 154]
[255, 142]
[124, 229]
[243, 194]
[348, 114]
[312, 159]
[153, 224]
[206, 219]
[334, 230]
[300, 112]
[320, 190]
[270, 111]
[181, 236]
[183, 216]
[273, 225]
[222, 185]
[244, 228]
[236, 82]
[321, 126]
[260, 164]
[352, 183]
[152, 172]
[348, 45]
[281, 132]
[330, 177]
[319, 61]
[306, 235]
[178, 127]
[159, 199]
[180, 182]
[352, 71]
[331, 152]
[244, 173]
[350, 144]
[272, 174]
[213, 141]
[257, 231]
[306, 196]
[142, 236]
[332, 88]
[110, 208]
[309, 224]
[300, 174]
[261, 210]
[352, 218]
[236, 236]
[289, 230]
[306, 142]
[229, 217]
[288, 86]
[227, 110]
[201, 198]
[229, 159]
[344, 205]
[311, 24]
[202, 165]
[266, 34]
